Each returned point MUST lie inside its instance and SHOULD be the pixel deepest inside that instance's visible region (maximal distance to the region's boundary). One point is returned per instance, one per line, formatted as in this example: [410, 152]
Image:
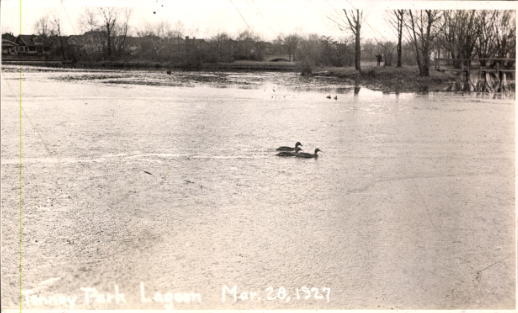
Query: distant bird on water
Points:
[308, 155]
[328, 97]
[289, 154]
[336, 97]
[284, 148]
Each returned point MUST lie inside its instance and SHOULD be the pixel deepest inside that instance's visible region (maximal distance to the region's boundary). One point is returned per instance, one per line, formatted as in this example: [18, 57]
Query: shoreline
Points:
[385, 79]
[392, 80]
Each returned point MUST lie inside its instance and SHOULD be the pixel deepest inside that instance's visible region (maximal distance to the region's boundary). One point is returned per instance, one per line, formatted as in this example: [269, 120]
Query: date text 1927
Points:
[275, 294]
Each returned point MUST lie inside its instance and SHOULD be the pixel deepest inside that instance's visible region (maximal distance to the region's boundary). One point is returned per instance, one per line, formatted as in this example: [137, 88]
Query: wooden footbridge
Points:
[485, 74]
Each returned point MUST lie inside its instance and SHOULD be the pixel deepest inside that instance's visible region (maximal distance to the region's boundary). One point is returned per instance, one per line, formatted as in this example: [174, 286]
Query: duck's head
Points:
[297, 149]
[316, 150]
[298, 144]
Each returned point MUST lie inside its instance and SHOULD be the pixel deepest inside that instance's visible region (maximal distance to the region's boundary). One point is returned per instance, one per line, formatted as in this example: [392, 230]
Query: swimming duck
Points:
[284, 148]
[336, 97]
[289, 154]
[308, 155]
[328, 97]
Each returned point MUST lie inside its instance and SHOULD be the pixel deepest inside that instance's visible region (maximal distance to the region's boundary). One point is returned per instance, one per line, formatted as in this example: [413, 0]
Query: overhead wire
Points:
[68, 16]
[240, 14]
[320, 15]
[364, 20]
[280, 28]
[262, 16]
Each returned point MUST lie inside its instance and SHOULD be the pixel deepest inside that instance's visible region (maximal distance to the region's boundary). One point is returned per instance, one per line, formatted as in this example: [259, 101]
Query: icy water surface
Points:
[166, 190]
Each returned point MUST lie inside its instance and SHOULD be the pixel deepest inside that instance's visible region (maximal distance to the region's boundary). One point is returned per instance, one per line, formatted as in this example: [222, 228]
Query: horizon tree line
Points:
[460, 35]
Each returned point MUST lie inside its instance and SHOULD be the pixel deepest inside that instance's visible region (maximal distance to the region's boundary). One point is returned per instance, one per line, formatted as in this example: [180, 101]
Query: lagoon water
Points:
[170, 184]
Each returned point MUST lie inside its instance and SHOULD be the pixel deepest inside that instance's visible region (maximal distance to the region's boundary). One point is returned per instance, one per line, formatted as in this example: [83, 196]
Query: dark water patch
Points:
[146, 83]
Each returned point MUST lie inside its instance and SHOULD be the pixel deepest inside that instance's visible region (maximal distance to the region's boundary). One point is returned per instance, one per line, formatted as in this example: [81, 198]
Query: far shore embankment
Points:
[391, 79]
[165, 66]
[386, 79]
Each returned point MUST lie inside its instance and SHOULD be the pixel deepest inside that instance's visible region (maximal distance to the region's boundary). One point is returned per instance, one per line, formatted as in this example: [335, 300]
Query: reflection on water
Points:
[487, 95]
[289, 81]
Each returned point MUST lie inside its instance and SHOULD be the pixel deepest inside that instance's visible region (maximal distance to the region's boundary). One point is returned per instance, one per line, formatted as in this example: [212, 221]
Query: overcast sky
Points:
[205, 18]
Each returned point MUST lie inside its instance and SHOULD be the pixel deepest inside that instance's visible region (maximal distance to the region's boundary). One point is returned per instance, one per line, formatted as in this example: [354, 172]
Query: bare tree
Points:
[396, 21]
[42, 26]
[56, 24]
[88, 20]
[422, 29]
[179, 28]
[164, 30]
[505, 34]
[121, 30]
[112, 21]
[355, 24]
[109, 17]
[291, 42]
[178, 32]
[309, 53]
[223, 47]
[154, 36]
[497, 36]
[388, 51]
[246, 41]
[48, 28]
[459, 34]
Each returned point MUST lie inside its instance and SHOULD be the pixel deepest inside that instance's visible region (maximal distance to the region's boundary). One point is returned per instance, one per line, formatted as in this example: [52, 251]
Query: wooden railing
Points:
[501, 65]
[495, 75]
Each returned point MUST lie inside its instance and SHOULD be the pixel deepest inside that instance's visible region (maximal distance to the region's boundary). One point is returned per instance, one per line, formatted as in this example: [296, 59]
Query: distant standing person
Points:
[380, 59]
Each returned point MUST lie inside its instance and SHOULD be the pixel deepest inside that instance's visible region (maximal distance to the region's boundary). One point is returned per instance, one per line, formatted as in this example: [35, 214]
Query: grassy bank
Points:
[391, 79]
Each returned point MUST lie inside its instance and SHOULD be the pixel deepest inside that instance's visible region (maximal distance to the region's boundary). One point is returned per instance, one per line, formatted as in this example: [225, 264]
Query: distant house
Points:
[193, 42]
[75, 40]
[76, 47]
[9, 47]
[66, 47]
[93, 42]
[9, 36]
[176, 44]
[132, 46]
[74, 44]
[31, 45]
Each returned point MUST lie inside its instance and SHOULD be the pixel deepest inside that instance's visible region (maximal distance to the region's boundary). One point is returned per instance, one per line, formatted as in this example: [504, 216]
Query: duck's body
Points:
[289, 154]
[308, 155]
[284, 148]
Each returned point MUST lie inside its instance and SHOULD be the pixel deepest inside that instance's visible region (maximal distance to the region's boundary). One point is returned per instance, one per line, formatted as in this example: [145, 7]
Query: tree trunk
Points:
[399, 42]
[426, 66]
[417, 51]
[355, 26]
[108, 30]
[62, 48]
[357, 50]
[426, 46]
[121, 45]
